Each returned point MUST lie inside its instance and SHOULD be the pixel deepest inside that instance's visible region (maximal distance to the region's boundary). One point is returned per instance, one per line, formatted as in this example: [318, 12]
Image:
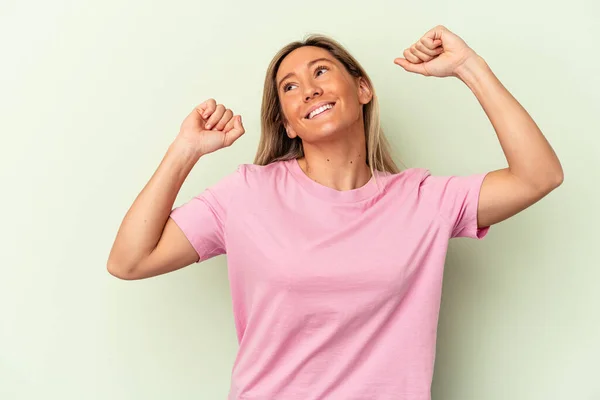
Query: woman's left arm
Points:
[533, 167]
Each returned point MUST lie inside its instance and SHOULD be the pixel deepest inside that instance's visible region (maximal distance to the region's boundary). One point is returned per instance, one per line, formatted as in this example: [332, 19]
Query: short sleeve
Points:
[457, 200]
[202, 219]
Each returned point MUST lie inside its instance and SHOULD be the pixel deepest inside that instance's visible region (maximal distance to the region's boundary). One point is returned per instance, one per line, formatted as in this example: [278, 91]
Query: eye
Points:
[321, 68]
[286, 87]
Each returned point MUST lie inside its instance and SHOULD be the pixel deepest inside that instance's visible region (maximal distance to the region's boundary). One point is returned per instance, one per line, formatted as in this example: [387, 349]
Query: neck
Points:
[340, 164]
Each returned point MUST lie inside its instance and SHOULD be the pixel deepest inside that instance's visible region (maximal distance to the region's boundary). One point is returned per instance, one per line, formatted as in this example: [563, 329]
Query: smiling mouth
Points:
[321, 110]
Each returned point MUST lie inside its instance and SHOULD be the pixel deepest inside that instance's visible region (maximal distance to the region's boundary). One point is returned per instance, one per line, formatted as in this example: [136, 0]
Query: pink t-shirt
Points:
[336, 294]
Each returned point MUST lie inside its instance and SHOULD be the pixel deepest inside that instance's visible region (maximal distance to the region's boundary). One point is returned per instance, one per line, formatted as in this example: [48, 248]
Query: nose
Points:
[312, 91]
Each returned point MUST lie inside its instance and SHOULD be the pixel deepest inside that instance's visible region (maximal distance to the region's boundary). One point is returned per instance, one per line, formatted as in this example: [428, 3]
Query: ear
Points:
[290, 131]
[365, 94]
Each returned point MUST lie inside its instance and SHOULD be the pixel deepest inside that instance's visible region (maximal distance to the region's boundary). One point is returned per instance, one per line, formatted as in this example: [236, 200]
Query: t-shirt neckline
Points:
[326, 193]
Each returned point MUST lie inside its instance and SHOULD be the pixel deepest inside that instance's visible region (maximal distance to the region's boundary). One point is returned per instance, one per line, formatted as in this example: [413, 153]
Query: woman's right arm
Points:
[148, 242]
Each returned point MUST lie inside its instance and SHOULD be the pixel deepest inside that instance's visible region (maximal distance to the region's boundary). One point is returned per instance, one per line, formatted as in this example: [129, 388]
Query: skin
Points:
[149, 243]
[534, 169]
[334, 142]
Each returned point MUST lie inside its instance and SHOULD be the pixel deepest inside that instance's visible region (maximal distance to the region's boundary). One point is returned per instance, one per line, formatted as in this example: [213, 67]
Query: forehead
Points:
[298, 59]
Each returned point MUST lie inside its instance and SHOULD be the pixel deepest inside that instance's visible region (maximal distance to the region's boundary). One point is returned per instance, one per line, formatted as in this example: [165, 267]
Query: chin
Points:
[327, 131]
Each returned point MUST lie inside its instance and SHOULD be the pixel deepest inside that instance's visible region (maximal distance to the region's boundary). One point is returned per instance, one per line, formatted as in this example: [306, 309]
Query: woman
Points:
[335, 257]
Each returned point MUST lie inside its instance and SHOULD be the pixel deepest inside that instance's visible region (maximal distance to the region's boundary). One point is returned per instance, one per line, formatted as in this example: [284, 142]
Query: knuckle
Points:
[210, 104]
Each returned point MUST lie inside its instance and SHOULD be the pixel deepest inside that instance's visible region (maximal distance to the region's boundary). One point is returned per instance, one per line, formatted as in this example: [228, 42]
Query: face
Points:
[318, 96]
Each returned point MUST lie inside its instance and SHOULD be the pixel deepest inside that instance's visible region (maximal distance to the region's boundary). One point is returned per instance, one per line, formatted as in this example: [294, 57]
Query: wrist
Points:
[472, 70]
[184, 150]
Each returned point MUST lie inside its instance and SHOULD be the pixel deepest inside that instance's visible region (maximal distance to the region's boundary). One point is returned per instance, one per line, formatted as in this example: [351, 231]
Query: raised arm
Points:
[533, 168]
[148, 242]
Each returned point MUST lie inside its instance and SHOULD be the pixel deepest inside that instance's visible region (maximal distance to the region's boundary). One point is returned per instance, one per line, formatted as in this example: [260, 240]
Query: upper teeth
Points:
[320, 110]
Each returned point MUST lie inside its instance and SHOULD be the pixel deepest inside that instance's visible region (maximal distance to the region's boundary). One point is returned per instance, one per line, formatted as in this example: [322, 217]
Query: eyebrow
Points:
[309, 64]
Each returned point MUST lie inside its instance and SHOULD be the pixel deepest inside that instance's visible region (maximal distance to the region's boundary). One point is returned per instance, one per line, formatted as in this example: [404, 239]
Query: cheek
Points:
[286, 114]
[291, 110]
[347, 87]
[348, 92]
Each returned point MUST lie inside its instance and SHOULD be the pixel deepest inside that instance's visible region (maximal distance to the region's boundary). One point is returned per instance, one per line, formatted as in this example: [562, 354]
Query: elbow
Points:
[559, 175]
[560, 178]
[549, 178]
[556, 180]
[120, 271]
[553, 182]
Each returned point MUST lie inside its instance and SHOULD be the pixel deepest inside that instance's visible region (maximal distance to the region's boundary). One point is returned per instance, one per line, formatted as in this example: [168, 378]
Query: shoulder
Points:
[254, 171]
[426, 184]
[253, 175]
[408, 179]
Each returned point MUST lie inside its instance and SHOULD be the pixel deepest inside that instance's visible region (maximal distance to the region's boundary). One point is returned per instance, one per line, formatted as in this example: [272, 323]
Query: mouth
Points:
[324, 109]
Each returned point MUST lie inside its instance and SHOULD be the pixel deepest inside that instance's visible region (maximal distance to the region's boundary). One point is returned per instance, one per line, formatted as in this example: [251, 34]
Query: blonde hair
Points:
[275, 145]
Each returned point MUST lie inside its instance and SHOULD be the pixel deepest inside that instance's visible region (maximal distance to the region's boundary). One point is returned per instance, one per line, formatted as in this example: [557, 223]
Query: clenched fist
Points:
[210, 127]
